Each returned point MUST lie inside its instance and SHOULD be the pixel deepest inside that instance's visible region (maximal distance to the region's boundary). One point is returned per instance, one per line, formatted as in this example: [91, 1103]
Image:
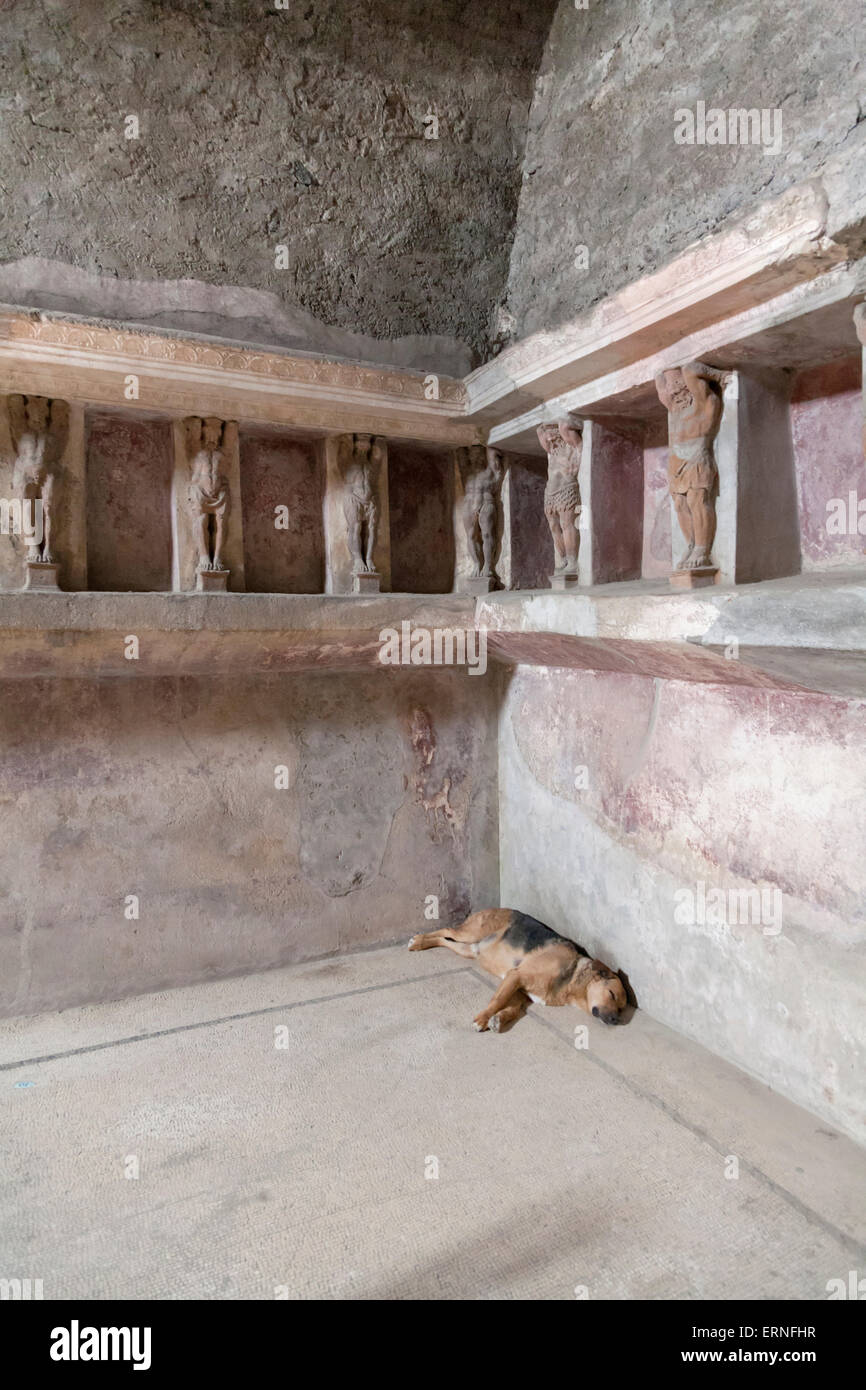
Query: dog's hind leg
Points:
[462, 939]
[504, 995]
[425, 941]
[507, 1017]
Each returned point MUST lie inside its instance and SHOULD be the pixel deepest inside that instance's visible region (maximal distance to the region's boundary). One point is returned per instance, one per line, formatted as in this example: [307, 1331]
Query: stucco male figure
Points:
[208, 498]
[39, 429]
[361, 457]
[563, 444]
[692, 396]
[481, 472]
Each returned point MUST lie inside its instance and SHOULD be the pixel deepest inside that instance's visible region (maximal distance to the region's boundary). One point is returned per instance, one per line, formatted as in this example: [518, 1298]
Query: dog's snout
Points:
[595, 1012]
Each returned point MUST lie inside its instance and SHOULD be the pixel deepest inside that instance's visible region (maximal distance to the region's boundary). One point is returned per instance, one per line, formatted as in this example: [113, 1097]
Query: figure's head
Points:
[495, 461]
[549, 435]
[475, 458]
[677, 389]
[212, 433]
[605, 994]
[38, 408]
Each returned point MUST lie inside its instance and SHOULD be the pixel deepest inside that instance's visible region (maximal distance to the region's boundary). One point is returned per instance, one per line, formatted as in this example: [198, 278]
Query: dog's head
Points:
[605, 994]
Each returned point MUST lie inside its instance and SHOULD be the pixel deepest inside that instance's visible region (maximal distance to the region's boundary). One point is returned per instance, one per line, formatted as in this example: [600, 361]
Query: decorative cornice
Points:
[775, 265]
[780, 244]
[140, 345]
[89, 361]
[600, 395]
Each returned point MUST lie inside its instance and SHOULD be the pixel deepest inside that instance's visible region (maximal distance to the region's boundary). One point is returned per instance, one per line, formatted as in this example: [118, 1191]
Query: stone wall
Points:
[602, 170]
[303, 127]
[689, 789]
[657, 519]
[826, 408]
[165, 790]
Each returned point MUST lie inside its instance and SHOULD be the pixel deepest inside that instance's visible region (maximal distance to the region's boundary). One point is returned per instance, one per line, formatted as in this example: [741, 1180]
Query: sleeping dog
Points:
[535, 964]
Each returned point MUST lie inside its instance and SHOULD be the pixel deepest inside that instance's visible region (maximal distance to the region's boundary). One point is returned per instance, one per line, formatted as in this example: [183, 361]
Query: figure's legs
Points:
[218, 534]
[203, 541]
[353, 538]
[35, 534]
[703, 515]
[684, 517]
[47, 517]
[487, 525]
[570, 538]
[470, 519]
[558, 543]
[372, 528]
[505, 993]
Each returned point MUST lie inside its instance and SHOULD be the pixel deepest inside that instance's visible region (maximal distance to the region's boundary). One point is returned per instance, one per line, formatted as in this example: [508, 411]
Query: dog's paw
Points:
[493, 1025]
[413, 944]
[480, 1024]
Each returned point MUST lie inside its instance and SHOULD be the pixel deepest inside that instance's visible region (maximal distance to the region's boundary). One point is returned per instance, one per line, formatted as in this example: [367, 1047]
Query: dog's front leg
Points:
[506, 991]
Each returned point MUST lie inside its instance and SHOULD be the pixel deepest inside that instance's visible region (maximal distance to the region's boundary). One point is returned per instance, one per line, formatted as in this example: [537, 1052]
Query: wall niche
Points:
[128, 497]
[420, 498]
[282, 489]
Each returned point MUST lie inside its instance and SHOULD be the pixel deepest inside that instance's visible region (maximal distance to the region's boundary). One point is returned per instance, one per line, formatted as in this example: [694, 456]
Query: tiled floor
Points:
[285, 1128]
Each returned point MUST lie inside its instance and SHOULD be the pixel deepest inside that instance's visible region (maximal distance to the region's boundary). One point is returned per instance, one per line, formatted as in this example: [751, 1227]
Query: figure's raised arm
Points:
[345, 453]
[662, 390]
[58, 432]
[496, 461]
[571, 430]
[378, 451]
[192, 431]
[695, 372]
[17, 408]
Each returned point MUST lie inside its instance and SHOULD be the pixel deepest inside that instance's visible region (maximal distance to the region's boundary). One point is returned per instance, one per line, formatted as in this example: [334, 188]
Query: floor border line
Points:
[214, 1022]
[851, 1243]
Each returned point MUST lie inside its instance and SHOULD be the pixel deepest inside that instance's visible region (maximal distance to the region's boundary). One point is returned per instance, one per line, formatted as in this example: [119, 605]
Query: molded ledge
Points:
[807, 634]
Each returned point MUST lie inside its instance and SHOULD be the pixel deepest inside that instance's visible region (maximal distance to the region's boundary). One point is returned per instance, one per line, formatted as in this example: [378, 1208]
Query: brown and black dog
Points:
[535, 964]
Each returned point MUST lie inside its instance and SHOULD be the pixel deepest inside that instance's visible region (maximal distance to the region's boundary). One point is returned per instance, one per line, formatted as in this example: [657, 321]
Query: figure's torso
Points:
[563, 465]
[698, 421]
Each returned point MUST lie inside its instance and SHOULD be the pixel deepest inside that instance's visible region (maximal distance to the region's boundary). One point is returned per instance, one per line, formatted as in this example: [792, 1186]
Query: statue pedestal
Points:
[695, 579]
[211, 581]
[564, 579]
[40, 574]
[476, 584]
[366, 583]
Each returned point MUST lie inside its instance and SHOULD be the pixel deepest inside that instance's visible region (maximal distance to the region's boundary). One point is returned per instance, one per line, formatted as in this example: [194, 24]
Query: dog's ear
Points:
[629, 992]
